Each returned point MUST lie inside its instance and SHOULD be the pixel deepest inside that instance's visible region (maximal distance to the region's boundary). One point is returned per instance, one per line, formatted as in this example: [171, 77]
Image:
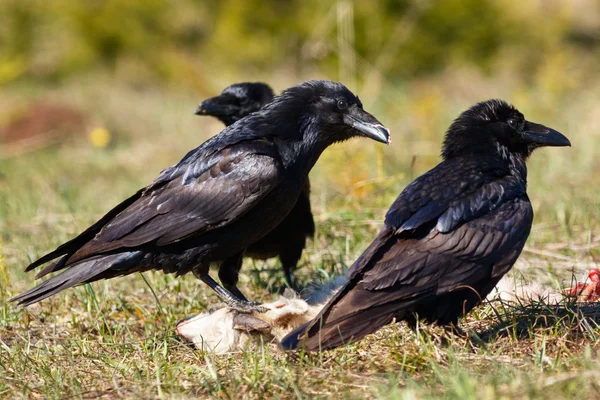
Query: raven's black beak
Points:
[368, 125]
[544, 136]
[217, 106]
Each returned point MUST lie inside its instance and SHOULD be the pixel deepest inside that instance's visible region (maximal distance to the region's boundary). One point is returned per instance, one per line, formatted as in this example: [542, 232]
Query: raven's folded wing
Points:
[207, 194]
[216, 197]
[430, 195]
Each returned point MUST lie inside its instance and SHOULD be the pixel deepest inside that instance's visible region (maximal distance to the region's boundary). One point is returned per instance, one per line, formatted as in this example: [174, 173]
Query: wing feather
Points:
[232, 186]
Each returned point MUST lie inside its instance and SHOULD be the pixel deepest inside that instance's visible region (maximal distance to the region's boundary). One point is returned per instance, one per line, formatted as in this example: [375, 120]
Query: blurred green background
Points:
[98, 96]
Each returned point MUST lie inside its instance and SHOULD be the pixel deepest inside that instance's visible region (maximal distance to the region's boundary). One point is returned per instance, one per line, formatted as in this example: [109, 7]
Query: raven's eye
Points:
[513, 123]
[342, 104]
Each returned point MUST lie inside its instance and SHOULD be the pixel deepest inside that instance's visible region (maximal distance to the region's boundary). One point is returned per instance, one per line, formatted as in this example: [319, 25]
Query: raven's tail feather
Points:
[327, 331]
[69, 248]
[85, 271]
[53, 266]
[336, 334]
[293, 339]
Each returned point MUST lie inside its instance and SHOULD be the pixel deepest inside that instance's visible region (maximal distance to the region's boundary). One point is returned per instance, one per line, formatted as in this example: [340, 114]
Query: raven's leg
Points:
[289, 260]
[454, 328]
[412, 323]
[241, 305]
[229, 272]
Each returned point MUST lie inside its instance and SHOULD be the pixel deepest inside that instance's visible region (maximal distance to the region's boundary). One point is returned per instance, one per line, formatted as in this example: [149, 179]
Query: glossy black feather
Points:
[448, 238]
[220, 198]
[288, 239]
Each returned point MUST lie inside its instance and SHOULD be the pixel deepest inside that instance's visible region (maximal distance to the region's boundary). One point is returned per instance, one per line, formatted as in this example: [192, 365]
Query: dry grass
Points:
[90, 342]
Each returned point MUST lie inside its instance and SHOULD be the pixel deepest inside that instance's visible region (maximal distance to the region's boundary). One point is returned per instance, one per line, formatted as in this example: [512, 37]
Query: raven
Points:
[220, 198]
[288, 239]
[236, 101]
[449, 236]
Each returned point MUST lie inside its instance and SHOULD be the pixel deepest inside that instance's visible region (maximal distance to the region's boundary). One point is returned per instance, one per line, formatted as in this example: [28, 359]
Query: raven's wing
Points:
[428, 196]
[199, 196]
[468, 240]
[450, 194]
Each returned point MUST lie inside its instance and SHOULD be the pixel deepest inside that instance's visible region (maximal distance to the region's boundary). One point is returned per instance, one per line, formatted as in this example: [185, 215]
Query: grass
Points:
[116, 339]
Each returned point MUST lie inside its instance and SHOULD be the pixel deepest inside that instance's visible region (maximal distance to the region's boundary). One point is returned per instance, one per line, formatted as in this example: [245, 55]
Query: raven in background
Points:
[288, 239]
[448, 238]
[219, 199]
[237, 101]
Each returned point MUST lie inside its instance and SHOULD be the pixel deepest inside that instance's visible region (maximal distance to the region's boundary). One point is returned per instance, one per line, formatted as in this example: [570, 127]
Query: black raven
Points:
[236, 101]
[221, 197]
[448, 238]
[288, 239]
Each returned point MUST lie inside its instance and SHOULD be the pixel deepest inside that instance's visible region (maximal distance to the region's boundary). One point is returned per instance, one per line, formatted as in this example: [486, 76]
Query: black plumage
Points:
[447, 239]
[220, 198]
[288, 239]
[236, 101]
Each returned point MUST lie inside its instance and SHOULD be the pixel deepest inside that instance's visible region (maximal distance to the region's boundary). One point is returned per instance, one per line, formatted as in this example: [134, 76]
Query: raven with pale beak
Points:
[219, 199]
[447, 239]
[288, 239]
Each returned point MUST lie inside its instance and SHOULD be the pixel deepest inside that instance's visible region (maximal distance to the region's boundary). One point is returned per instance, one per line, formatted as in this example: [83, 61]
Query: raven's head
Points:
[236, 101]
[496, 126]
[329, 112]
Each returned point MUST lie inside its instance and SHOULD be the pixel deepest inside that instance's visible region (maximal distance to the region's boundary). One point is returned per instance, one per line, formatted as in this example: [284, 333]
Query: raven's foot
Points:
[217, 306]
[247, 307]
[454, 329]
[289, 279]
[235, 300]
